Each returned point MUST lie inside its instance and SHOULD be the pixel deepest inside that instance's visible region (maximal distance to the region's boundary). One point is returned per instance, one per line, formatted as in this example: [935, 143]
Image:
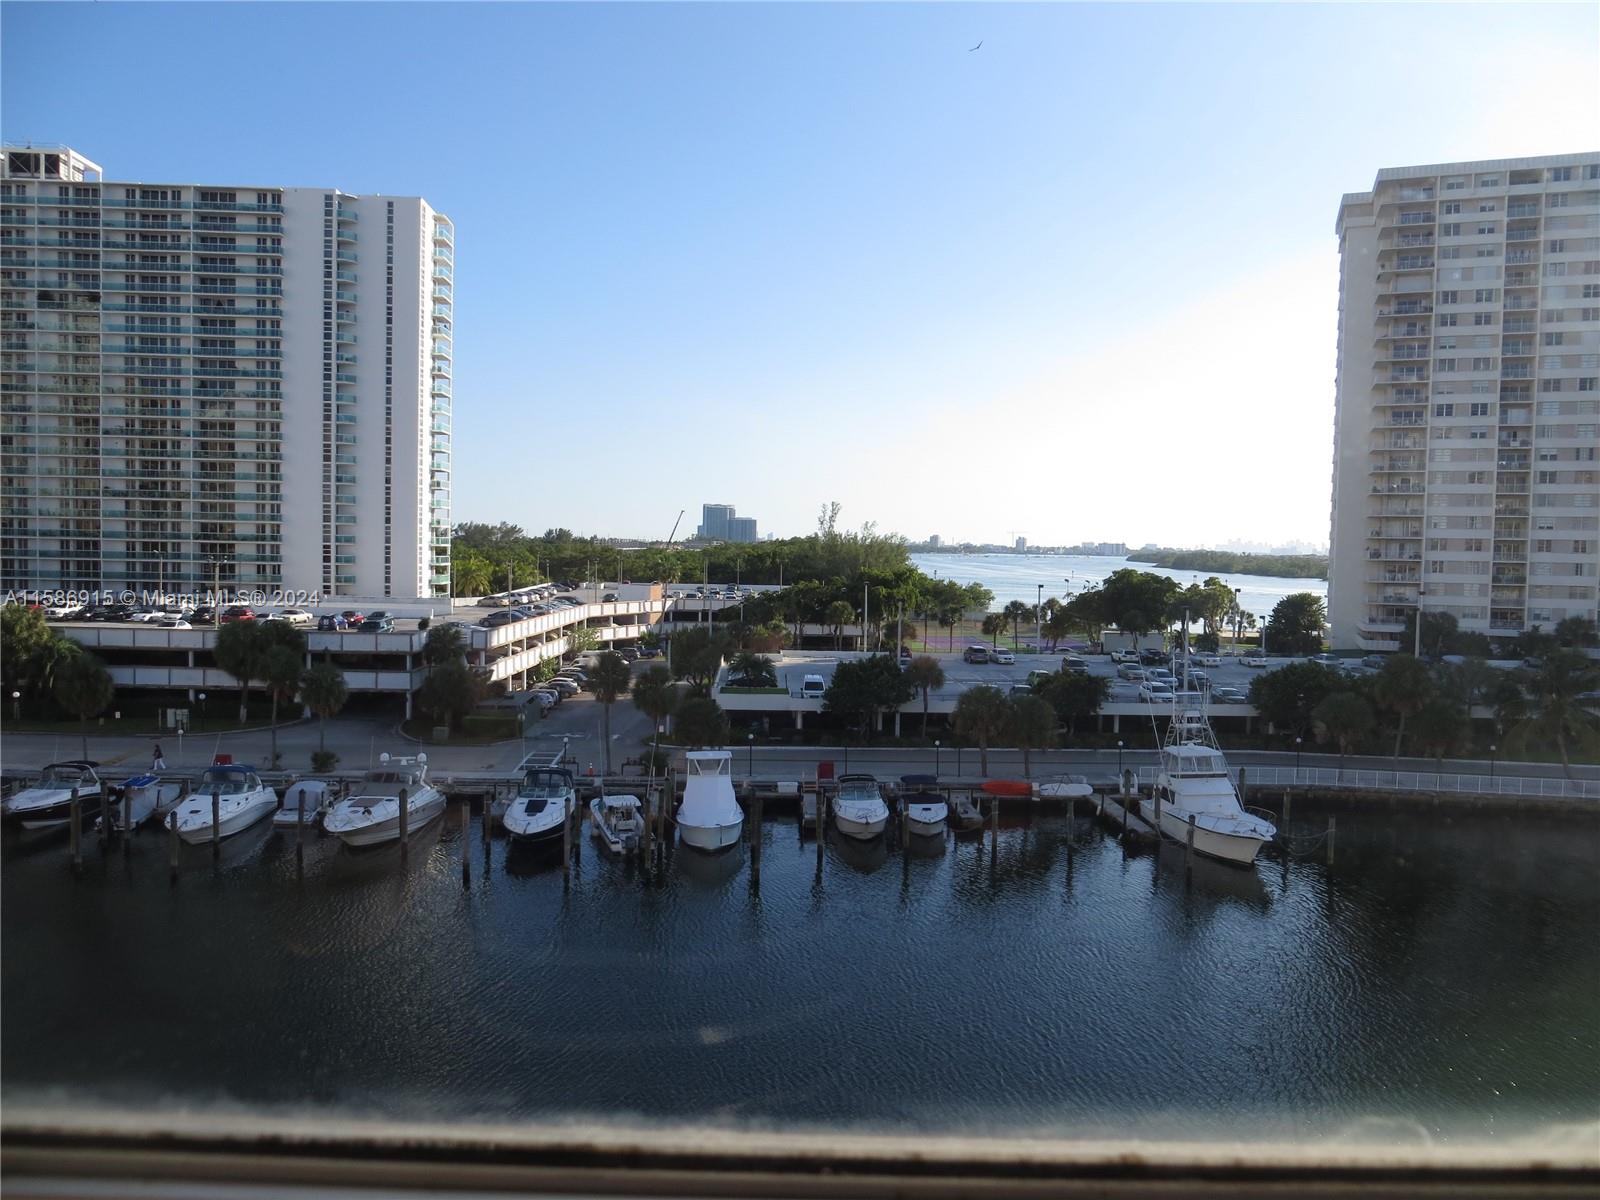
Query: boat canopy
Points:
[545, 782]
[1191, 758]
[859, 787]
[232, 780]
[920, 780]
[710, 762]
[388, 781]
[67, 774]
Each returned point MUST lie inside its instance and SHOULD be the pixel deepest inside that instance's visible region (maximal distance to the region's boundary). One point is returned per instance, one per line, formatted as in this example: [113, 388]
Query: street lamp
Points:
[1119, 760]
[1297, 760]
[750, 769]
[936, 758]
[1491, 760]
[202, 698]
[564, 739]
[16, 706]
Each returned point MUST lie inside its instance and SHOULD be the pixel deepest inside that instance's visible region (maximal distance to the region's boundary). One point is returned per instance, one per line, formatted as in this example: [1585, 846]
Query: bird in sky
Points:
[979, 46]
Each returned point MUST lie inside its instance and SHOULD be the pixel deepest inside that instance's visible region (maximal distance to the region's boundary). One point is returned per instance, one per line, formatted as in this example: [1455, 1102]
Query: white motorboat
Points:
[242, 801]
[1193, 789]
[617, 822]
[1067, 787]
[316, 794]
[858, 809]
[370, 815]
[710, 817]
[47, 804]
[143, 797]
[542, 803]
[926, 814]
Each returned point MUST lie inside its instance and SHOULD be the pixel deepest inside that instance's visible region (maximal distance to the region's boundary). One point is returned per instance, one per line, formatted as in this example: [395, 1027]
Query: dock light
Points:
[1491, 760]
[936, 758]
[1119, 760]
[750, 738]
[16, 706]
[1297, 760]
[564, 739]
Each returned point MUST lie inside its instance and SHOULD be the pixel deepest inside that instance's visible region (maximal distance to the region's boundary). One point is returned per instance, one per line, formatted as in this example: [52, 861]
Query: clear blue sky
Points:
[1076, 284]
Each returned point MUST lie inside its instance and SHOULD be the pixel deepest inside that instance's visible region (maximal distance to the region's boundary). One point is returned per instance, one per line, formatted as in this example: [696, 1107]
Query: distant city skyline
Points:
[998, 294]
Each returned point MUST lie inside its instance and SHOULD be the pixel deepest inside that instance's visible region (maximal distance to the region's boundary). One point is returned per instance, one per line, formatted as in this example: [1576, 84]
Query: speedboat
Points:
[316, 793]
[370, 815]
[48, 803]
[858, 809]
[1194, 791]
[617, 822]
[926, 814]
[1067, 787]
[242, 801]
[710, 817]
[143, 797]
[541, 806]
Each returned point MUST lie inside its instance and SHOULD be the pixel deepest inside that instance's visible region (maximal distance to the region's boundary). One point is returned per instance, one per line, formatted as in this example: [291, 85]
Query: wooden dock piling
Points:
[466, 841]
[75, 823]
[488, 809]
[1288, 799]
[994, 825]
[755, 840]
[1188, 847]
[127, 817]
[566, 841]
[822, 824]
[1332, 827]
[174, 844]
[106, 802]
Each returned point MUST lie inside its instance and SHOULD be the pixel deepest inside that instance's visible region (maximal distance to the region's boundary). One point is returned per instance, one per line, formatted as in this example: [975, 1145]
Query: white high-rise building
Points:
[1465, 476]
[226, 382]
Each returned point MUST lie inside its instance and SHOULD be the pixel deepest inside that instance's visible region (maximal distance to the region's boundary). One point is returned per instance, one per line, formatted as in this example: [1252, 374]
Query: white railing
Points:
[1413, 781]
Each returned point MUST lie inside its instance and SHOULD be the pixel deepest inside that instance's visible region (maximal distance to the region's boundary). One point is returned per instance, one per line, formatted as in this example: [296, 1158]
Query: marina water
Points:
[1436, 981]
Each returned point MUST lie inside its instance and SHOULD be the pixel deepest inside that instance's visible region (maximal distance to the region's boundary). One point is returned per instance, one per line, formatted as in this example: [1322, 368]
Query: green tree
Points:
[325, 692]
[609, 681]
[581, 638]
[1439, 728]
[838, 614]
[695, 654]
[1295, 626]
[1032, 727]
[982, 714]
[1556, 715]
[925, 675]
[1577, 632]
[655, 695]
[241, 650]
[1016, 612]
[1136, 601]
[443, 644]
[752, 670]
[280, 672]
[1440, 633]
[1288, 696]
[700, 721]
[1345, 719]
[864, 687]
[1402, 686]
[1074, 696]
[83, 687]
[26, 644]
[994, 624]
[450, 692]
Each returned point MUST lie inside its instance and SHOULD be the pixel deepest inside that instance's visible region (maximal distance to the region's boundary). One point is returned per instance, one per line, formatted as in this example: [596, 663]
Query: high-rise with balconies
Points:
[242, 383]
[1465, 478]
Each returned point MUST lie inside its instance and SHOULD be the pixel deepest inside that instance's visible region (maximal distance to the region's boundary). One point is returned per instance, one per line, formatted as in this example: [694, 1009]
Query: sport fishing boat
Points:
[1194, 788]
[542, 803]
[47, 804]
[710, 817]
[858, 809]
[370, 815]
[617, 822]
[143, 797]
[242, 801]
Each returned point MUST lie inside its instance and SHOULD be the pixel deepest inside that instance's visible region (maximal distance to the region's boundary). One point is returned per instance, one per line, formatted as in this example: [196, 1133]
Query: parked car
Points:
[546, 700]
[1154, 657]
[1124, 656]
[378, 625]
[1151, 693]
[1021, 689]
[609, 598]
[1374, 661]
[648, 651]
[204, 615]
[171, 623]
[565, 686]
[1074, 665]
[333, 624]
[1206, 660]
[495, 619]
[1131, 673]
[1228, 695]
[629, 654]
[352, 617]
[1004, 657]
[975, 654]
[1255, 660]
[237, 612]
[1160, 675]
[298, 617]
[1327, 660]
[144, 616]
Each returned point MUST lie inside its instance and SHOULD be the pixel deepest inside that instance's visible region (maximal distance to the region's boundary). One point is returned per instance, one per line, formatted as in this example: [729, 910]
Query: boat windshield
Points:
[63, 777]
[545, 783]
[1195, 760]
[859, 790]
[226, 783]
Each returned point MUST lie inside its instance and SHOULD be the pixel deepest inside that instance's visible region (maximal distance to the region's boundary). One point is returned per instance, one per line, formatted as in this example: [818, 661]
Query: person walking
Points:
[158, 761]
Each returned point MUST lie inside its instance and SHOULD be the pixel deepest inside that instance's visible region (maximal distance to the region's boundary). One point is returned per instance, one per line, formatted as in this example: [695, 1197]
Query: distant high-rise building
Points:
[1022, 544]
[1464, 472]
[714, 520]
[933, 540]
[241, 383]
[742, 529]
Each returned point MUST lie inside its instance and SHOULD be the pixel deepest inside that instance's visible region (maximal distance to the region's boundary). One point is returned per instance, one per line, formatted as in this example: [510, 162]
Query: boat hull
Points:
[862, 828]
[379, 833]
[1237, 849]
[926, 826]
[711, 838]
[56, 815]
[240, 818]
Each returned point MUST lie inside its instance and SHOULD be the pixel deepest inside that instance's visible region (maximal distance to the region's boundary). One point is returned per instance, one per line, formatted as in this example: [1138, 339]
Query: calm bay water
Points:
[1017, 576]
[1439, 980]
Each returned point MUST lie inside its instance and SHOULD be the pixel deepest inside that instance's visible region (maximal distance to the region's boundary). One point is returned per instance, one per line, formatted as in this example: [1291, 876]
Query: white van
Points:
[812, 687]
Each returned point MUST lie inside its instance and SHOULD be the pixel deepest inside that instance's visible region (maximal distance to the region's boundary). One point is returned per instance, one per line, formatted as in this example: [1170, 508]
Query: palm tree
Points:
[925, 674]
[1403, 687]
[949, 616]
[1439, 728]
[981, 714]
[239, 651]
[1015, 612]
[700, 721]
[655, 695]
[1033, 727]
[1344, 718]
[324, 690]
[752, 670]
[839, 614]
[994, 624]
[83, 687]
[1557, 714]
[609, 681]
[280, 671]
